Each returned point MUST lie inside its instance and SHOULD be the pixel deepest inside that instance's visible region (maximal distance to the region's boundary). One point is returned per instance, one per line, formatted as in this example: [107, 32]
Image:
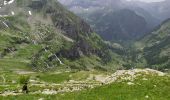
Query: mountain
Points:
[90, 5]
[152, 21]
[120, 25]
[106, 18]
[158, 9]
[44, 35]
[155, 47]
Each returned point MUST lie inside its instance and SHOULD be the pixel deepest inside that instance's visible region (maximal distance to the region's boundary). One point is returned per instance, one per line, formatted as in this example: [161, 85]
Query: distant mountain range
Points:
[96, 13]
[119, 25]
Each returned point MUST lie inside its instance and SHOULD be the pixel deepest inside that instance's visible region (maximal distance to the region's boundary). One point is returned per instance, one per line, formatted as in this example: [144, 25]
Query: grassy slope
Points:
[13, 37]
[155, 47]
[156, 88]
[55, 15]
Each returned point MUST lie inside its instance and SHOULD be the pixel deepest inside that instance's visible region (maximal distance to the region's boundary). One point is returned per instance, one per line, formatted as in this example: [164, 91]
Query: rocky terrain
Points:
[91, 81]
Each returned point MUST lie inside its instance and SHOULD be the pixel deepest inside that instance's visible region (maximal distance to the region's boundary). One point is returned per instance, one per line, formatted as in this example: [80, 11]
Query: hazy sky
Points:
[147, 0]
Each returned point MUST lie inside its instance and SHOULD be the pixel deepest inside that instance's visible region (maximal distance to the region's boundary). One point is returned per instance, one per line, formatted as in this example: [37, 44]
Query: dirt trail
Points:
[22, 72]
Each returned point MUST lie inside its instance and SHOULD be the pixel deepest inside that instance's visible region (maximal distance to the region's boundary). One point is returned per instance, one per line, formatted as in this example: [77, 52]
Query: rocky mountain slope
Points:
[155, 47]
[44, 35]
[119, 25]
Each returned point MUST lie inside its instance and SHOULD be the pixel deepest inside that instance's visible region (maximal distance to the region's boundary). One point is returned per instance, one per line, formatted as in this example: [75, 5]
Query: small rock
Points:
[130, 83]
[145, 79]
[13, 82]
[41, 99]
[147, 96]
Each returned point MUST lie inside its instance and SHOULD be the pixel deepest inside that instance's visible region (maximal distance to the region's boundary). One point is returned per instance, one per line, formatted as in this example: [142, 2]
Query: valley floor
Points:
[136, 84]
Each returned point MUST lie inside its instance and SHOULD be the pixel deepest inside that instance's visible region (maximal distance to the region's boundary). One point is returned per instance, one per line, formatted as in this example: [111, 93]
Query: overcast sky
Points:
[147, 0]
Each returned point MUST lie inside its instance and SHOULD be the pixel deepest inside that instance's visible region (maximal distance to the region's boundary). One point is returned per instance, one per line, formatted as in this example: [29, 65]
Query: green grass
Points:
[54, 78]
[122, 91]
[82, 75]
[156, 88]
[26, 51]
[83, 62]
[4, 41]
[12, 64]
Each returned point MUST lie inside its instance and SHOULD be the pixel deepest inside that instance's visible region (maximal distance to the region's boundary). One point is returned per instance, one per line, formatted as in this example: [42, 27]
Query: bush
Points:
[24, 79]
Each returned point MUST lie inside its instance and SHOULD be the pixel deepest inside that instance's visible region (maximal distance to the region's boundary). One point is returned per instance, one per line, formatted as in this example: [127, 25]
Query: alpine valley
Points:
[84, 50]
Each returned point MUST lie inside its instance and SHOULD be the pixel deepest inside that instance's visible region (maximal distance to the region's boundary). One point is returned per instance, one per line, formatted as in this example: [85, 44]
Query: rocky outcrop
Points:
[129, 75]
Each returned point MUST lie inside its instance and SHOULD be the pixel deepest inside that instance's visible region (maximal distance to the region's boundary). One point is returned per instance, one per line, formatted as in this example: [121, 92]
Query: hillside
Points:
[44, 35]
[120, 25]
[156, 46]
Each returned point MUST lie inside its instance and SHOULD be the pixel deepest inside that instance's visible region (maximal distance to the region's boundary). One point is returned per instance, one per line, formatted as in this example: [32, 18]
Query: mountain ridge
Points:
[95, 12]
[155, 46]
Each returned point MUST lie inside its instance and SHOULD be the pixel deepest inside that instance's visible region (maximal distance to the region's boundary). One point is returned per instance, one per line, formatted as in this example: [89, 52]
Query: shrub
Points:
[24, 79]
